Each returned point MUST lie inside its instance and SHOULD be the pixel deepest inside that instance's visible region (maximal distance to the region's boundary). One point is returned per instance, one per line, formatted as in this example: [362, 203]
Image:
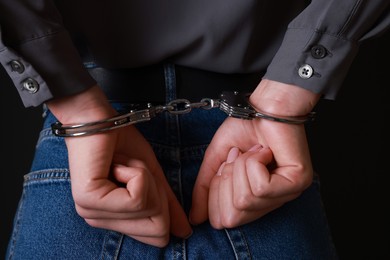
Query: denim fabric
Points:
[47, 226]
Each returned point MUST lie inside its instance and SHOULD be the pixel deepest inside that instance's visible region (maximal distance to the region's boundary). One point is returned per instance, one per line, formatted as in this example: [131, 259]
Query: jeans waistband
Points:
[147, 84]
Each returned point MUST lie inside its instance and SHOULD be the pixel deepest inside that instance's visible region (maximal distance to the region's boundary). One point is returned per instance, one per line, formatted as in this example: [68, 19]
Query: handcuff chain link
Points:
[184, 106]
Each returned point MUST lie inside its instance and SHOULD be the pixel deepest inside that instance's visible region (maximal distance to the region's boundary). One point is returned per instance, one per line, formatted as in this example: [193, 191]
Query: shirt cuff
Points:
[45, 68]
[313, 60]
[31, 87]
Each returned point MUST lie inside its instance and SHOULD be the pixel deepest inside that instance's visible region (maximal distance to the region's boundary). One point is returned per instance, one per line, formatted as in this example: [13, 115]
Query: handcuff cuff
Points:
[233, 103]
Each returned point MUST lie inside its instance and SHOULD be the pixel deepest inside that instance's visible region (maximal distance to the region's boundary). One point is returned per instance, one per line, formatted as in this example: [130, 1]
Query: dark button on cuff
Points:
[318, 51]
[31, 85]
[17, 66]
[305, 71]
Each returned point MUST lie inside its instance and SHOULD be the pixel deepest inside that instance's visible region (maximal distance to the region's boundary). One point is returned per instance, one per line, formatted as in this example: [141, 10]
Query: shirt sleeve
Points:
[321, 43]
[38, 53]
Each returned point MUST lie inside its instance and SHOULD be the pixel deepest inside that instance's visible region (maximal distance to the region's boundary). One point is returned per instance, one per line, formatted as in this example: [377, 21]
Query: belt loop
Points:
[170, 82]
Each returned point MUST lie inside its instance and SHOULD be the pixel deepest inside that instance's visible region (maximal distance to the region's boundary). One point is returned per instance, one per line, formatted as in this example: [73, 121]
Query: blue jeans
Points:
[47, 226]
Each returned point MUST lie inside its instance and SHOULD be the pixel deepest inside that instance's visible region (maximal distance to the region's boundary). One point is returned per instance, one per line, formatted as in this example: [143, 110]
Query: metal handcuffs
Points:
[233, 103]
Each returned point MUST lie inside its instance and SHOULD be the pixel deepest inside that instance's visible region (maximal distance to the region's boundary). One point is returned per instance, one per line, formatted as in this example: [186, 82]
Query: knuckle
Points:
[161, 231]
[92, 222]
[302, 180]
[81, 212]
[138, 204]
[216, 225]
[260, 190]
[82, 205]
[85, 199]
[143, 170]
[163, 241]
[229, 221]
[242, 202]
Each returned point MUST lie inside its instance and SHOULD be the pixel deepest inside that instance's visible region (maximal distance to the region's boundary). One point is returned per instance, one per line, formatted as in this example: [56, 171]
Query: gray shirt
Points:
[306, 43]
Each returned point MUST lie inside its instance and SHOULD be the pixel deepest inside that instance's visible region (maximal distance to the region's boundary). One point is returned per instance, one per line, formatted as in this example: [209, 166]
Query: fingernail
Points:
[255, 148]
[233, 154]
[219, 172]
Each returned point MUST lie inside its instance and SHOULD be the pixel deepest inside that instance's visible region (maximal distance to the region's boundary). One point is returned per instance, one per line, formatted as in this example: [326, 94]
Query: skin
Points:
[246, 189]
[118, 184]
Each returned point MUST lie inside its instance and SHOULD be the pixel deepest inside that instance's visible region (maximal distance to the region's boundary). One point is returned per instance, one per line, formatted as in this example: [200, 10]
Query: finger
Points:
[149, 226]
[154, 241]
[291, 153]
[219, 172]
[142, 187]
[92, 187]
[138, 182]
[88, 213]
[252, 183]
[232, 155]
[208, 169]
[229, 215]
[213, 200]
[225, 197]
[269, 184]
[251, 176]
[180, 225]
[152, 230]
[142, 193]
[229, 134]
[202, 190]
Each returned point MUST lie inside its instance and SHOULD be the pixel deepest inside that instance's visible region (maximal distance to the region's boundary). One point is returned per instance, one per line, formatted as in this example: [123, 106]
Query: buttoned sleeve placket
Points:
[313, 60]
[31, 87]
[321, 43]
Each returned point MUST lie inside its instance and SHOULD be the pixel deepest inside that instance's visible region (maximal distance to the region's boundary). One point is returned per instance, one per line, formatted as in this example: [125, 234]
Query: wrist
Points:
[89, 105]
[282, 99]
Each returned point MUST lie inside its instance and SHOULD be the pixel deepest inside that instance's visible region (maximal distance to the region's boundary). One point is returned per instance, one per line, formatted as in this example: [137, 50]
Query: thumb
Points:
[211, 165]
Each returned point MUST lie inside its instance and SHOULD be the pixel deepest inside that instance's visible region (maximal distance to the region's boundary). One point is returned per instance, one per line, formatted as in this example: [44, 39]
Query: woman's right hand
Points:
[117, 182]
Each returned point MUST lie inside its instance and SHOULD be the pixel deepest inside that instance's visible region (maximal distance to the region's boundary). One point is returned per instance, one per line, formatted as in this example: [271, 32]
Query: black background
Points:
[348, 140]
